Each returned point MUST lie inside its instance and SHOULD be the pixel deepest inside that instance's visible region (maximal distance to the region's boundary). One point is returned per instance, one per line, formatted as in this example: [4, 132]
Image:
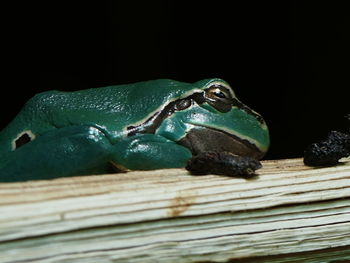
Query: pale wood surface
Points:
[170, 216]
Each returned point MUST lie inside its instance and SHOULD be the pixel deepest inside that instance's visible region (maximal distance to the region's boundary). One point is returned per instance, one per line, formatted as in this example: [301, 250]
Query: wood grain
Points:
[289, 211]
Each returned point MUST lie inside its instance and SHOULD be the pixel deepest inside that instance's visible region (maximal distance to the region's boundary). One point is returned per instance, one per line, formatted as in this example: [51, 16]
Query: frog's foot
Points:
[223, 163]
[329, 151]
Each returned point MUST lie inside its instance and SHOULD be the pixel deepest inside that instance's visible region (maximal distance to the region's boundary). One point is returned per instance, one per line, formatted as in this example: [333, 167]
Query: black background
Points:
[289, 61]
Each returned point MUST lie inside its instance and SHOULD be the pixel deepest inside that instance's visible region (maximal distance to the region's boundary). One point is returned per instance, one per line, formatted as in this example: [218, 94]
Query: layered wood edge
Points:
[288, 210]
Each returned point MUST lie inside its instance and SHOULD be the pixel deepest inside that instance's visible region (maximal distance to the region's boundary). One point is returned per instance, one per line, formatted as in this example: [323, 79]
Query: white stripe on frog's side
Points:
[29, 133]
[155, 113]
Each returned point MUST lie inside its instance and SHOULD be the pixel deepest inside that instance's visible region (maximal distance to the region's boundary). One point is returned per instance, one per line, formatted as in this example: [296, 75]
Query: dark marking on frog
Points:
[22, 140]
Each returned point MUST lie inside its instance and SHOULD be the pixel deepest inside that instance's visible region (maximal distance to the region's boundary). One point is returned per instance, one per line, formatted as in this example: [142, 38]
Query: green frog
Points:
[142, 126]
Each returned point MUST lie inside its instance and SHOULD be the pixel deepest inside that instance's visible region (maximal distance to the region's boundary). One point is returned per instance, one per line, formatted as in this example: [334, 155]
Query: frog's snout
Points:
[238, 104]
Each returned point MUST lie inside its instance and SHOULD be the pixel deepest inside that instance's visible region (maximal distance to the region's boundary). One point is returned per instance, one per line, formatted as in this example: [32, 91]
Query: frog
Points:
[147, 125]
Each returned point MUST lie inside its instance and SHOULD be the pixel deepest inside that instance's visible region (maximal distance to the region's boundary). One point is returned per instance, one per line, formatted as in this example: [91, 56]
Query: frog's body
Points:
[141, 126]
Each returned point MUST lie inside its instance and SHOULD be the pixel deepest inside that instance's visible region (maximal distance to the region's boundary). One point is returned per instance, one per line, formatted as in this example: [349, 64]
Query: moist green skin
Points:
[84, 132]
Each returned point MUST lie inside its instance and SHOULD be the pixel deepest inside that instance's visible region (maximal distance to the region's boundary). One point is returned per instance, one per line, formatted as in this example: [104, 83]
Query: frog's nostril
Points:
[260, 119]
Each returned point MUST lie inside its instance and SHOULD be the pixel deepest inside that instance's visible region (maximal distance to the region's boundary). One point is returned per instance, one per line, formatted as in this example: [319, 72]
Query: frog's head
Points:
[216, 120]
[207, 116]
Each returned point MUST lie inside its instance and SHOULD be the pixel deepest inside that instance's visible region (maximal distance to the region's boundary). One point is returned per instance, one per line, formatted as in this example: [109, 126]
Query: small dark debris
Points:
[223, 163]
[329, 151]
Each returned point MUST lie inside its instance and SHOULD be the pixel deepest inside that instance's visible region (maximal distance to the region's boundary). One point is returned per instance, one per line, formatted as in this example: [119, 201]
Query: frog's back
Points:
[111, 109]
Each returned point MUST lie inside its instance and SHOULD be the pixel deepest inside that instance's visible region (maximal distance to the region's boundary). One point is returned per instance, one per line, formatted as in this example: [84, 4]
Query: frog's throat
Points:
[204, 139]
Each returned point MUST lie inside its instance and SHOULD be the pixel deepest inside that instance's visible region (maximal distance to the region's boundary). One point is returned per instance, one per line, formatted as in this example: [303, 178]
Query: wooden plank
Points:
[170, 216]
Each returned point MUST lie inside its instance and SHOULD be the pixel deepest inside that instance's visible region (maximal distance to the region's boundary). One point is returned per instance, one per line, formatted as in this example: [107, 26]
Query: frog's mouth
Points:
[204, 139]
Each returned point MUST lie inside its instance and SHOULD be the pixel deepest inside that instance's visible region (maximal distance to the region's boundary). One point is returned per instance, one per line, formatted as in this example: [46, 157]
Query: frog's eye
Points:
[217, 91]
[219, 97]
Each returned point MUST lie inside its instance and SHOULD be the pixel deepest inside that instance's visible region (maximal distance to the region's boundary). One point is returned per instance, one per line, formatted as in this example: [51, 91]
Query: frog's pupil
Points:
[219, 94]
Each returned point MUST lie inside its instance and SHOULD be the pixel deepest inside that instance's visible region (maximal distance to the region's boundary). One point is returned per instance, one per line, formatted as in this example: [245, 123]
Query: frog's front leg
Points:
[148, 152]
[68, 151]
